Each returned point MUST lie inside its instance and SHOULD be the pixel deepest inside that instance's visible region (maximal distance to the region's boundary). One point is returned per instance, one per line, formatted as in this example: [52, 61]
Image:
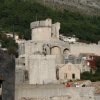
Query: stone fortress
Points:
[41, 67]
[44, 51]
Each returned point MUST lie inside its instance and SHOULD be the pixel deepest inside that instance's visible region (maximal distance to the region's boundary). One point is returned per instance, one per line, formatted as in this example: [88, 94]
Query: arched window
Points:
[66, 51]
[55, 50]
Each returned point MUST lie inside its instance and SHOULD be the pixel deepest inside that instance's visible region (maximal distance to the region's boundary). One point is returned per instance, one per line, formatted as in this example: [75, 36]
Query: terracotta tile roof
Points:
[92, 64]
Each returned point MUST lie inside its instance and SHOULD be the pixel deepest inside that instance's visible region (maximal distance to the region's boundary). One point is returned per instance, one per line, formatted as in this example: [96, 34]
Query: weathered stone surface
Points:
[53, 92]
[77, 48]
[7, 71]
[42, 69]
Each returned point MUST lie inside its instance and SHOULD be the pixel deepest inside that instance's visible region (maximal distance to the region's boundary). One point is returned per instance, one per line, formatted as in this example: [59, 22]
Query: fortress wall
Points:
[21, 48]
[78, 48]
[33, 47]
[41, 30]
[44, 23]
[53, 92]
[55, 30]
[42, 69]
[41, 33]
[28, 47]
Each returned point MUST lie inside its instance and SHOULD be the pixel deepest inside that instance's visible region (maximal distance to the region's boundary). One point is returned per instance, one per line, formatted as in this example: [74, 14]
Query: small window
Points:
[73, 76]
[26, 75]
[24, 64]
[65, 75]
[51, 34]
[57, 74]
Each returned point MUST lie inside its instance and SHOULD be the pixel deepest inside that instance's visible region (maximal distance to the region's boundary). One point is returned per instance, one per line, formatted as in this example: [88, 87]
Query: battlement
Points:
[43, 23]
[45, 30]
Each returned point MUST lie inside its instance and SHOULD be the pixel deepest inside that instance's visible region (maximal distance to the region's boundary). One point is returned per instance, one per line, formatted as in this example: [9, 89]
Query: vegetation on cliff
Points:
[16, 15]
[9, 43]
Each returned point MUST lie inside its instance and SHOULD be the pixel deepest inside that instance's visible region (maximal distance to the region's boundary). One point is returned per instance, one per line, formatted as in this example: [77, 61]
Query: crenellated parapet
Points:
[43, 23]
[44, 30]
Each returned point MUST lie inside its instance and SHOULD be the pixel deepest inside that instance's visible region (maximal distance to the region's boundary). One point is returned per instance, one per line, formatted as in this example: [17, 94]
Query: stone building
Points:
[76, 62]
[37, 66]
[69, 71]
[43, 52]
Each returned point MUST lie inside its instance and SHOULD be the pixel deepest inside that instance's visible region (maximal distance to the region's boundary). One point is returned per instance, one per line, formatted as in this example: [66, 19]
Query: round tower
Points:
[41, 30]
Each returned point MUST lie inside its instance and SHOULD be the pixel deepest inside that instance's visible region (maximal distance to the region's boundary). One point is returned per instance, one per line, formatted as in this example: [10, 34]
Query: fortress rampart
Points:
[78, 48]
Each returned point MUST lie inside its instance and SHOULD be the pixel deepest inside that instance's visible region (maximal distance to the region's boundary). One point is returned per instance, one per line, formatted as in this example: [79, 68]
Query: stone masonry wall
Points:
[53, 92]
[78, 48]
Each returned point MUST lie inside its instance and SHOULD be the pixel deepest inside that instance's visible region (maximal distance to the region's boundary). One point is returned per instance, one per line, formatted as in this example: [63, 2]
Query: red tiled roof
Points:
[92, 64]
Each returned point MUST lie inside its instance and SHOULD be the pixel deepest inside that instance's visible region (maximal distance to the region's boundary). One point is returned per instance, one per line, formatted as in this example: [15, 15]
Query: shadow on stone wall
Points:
[7, 74]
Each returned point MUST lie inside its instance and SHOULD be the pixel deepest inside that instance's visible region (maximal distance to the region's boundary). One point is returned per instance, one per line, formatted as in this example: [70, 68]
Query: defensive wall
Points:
[53, 92]
[78, 48]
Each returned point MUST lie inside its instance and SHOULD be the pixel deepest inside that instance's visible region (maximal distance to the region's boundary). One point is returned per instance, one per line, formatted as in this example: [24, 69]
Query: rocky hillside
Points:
[16, 16]
[84, 6]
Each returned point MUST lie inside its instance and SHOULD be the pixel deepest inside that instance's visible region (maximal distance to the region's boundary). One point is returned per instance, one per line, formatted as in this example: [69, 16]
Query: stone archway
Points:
[66, 51]
[55, 50]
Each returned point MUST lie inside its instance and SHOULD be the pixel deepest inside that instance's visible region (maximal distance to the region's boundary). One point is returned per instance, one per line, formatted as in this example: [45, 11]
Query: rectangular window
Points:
[73, 76]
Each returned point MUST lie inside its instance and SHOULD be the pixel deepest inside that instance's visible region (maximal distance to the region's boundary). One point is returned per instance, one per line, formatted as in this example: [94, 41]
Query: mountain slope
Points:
[17, 15]
[90, 7]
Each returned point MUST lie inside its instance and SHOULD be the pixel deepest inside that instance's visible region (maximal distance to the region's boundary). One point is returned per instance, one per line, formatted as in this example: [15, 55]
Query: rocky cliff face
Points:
[84, 6]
